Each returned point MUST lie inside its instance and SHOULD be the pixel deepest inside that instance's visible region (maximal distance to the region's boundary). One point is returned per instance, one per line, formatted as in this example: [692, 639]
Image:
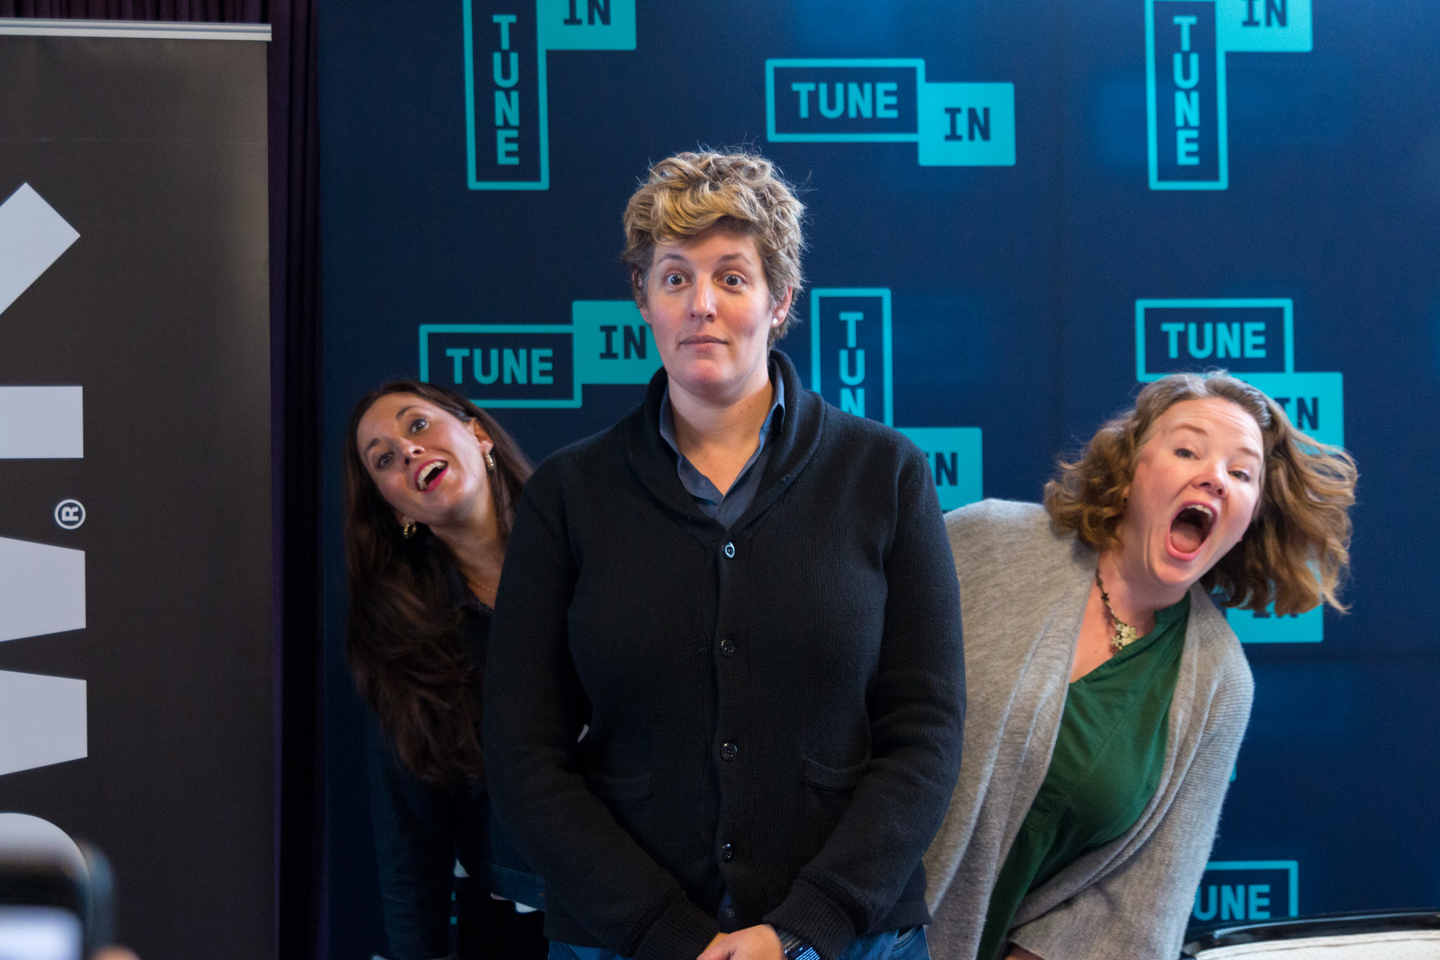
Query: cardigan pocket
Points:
[621, 789]
[826, 794]
[628, 799]
[833, 778]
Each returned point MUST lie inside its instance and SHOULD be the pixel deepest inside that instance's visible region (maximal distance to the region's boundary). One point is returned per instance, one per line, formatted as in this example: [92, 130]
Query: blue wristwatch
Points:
[794, 947]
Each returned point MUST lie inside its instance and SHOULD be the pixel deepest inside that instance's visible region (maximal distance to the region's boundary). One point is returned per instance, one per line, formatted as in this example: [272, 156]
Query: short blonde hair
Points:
[689, 193]
[1302, 519]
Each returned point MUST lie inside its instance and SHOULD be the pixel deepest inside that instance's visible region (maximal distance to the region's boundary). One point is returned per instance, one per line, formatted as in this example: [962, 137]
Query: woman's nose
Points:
[1215, 480]
[702, 304]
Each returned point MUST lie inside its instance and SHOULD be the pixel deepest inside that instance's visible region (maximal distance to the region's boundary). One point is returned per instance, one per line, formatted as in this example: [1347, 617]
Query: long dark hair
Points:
[403, 642]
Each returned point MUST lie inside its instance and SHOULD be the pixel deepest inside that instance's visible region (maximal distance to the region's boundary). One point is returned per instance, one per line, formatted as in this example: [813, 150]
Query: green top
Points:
[1109, 754]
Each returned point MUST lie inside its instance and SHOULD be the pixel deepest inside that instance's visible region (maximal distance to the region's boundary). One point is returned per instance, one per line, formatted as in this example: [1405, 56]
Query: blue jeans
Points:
[892, 945]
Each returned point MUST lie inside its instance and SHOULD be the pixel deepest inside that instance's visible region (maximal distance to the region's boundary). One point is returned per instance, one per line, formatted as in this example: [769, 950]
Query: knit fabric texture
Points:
[775, 711]
[1024, 588]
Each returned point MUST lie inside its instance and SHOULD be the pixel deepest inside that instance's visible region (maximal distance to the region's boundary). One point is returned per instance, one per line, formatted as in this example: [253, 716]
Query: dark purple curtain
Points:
[295, 425]
[193, 11]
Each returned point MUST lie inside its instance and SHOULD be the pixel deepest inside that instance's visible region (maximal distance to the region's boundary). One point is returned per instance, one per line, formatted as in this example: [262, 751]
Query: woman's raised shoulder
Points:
[1005, 538]
[996, 521]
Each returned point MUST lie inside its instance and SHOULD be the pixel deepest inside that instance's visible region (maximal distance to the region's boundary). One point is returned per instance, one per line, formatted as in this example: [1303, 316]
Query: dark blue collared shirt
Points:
[725, 507]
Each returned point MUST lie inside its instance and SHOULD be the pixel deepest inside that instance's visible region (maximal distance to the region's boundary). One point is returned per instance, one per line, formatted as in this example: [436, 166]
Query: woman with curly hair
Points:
[431, 482]
[1108, 695]
[724, 694]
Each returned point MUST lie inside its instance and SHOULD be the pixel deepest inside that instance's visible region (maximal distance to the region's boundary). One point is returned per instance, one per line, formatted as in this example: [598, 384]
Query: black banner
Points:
[135, 545]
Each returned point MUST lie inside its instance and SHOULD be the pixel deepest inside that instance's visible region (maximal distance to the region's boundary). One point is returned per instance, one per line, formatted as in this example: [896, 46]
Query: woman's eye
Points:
[1185, 453]
[1243, 475]
[673, 279]
[732, 280]
[418, 424]
[382, 461]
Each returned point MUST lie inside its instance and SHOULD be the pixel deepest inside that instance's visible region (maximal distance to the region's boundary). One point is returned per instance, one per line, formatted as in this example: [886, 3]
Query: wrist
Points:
[794, 947]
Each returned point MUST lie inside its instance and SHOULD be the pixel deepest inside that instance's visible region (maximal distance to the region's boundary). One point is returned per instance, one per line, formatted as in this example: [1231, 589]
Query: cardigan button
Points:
[727, 647]
[727, 853]
[730, 550]
[729, 752]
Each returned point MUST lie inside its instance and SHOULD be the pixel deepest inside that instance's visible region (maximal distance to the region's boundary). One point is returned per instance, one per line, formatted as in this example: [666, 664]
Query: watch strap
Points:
[794, 947]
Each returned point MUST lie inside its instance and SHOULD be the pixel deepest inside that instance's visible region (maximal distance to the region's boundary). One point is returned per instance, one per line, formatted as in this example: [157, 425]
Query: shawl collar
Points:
[792, 446]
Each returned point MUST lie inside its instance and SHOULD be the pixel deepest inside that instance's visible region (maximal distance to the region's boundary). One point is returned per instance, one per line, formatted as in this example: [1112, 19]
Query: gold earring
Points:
[409, 530]
[489, 462]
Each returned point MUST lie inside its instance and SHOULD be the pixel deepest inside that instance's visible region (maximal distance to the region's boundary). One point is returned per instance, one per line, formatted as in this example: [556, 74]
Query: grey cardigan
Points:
[1023, 591]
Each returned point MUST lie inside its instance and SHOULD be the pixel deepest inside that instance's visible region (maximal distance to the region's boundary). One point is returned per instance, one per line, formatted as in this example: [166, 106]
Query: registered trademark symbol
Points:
[69, 514]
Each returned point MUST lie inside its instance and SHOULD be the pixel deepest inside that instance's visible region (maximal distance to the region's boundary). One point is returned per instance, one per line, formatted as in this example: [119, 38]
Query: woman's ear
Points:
[486, 444]
[637, 289]
[782, 307]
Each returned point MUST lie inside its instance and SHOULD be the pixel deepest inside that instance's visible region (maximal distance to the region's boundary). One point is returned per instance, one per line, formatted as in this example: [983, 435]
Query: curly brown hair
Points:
[689, 193]
[403, 643]
[1297, 547]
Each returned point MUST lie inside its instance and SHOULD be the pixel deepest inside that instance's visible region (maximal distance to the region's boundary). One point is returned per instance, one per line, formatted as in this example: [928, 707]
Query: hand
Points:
[114, 953]
[759, 942]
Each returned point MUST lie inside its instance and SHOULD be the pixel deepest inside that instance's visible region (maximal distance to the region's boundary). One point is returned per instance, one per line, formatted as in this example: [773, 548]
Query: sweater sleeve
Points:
[917, 710]
[1142, 907]
[534, 711]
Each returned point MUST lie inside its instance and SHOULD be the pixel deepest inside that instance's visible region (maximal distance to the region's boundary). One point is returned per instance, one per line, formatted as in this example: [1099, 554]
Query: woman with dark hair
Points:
[431, 482]
[725, 698]
[1108, 694]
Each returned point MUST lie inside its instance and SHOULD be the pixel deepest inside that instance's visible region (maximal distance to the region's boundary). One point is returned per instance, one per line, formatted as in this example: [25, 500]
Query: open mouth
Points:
[429, 474]
[1191, 527]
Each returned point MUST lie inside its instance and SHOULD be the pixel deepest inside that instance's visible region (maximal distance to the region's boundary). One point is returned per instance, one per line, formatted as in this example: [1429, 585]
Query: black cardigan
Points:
[776, 711]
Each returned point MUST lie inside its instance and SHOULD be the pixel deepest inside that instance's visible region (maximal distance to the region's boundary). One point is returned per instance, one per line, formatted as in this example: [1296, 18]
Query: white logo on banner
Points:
[42, 587]
[70, 514]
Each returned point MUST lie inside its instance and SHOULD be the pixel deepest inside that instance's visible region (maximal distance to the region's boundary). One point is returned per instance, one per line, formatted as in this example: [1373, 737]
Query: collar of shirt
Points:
[708, 496]
[460, 593]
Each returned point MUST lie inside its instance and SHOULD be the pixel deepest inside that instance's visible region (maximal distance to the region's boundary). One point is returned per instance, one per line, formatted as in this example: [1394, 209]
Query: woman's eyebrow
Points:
[1197, 428]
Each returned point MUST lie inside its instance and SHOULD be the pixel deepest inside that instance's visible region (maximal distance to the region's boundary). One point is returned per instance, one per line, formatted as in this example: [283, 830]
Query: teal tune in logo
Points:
[1247, 890]
[889, 101]
[607, 342]
[850, 366]
[1255, 340]
[1185, 46]
[540, 365]
[507, 132]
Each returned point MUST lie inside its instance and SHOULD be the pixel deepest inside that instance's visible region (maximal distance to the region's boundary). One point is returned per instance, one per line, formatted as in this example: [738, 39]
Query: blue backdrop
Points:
[1018, 210]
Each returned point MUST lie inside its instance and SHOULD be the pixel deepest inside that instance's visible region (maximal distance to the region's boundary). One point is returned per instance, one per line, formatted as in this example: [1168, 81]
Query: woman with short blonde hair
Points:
[724, 697]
